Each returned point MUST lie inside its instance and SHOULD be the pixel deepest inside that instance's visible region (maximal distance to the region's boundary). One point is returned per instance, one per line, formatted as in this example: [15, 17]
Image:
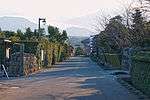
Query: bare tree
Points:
[100, 22]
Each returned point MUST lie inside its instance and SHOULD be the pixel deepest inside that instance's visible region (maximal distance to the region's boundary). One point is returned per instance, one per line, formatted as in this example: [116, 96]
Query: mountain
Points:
[84, 21]
[75, 41]
[15, 23]
[76, 31]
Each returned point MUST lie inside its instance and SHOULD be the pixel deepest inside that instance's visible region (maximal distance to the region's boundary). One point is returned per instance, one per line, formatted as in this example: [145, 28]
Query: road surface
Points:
[75, 79]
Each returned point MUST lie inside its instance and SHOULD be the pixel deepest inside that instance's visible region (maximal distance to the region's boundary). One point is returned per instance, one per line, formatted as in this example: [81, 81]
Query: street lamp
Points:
[43, 20]
[39, 31]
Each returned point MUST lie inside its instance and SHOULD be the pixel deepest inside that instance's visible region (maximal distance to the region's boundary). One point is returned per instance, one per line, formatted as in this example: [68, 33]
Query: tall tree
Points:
[54, 34]
[63, 37]
[20, 34]
[138, 28]
[115, 33]
[28, 34]
[51, 31]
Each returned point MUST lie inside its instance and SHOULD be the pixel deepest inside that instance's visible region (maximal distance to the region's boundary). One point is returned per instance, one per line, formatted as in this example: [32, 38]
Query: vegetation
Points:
[140, 72]
[110, 59]
[79, 51]
[117, 34]
[55, 45]
[120, 32]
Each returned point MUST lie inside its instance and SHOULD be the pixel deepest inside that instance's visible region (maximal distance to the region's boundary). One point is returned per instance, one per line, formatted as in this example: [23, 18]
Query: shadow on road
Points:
[75, 79]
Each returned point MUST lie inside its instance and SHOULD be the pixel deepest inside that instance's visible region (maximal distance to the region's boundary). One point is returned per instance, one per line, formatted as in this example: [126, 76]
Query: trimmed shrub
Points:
[140, 72]
[113, 59]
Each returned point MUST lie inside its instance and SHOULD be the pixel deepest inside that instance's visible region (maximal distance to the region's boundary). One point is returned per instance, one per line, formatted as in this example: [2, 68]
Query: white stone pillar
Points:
[42, 55]
[7, 53]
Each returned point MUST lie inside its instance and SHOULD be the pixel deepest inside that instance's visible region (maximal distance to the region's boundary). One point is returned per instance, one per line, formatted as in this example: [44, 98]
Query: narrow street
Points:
[76, 79]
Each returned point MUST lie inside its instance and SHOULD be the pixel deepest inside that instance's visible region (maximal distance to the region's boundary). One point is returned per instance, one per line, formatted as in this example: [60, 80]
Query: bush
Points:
[140, 72]
[113, 59]
[79, 51]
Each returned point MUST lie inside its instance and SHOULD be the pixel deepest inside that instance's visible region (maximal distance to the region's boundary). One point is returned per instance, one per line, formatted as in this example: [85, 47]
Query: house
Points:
[4, 53]
[88, 45]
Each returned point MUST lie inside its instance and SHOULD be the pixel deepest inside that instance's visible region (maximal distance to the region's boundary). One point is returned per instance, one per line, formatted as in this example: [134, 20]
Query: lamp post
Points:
[39, 31]
[39, 26]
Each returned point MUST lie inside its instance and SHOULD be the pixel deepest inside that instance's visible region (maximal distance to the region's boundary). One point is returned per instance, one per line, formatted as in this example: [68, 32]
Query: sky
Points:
[56, 9]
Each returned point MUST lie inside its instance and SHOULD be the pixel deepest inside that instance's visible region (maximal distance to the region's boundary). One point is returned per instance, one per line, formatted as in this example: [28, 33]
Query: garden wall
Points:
[15, 67]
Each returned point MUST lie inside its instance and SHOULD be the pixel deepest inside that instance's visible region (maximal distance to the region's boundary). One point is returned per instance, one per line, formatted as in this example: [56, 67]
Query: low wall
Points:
[15, 64]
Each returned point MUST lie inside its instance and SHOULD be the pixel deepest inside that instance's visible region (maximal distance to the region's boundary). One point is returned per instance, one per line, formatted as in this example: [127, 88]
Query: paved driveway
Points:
[75, 79]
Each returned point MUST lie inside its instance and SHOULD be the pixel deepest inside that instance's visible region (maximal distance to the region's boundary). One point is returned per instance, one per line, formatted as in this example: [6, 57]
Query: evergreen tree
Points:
[138, 28]
[20, 34]
[115, 35]
[28, 34]
[51, 31]
[63, 37]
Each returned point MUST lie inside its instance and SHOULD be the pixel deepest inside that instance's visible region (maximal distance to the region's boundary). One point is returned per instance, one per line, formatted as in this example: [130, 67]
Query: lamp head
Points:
[44, 21]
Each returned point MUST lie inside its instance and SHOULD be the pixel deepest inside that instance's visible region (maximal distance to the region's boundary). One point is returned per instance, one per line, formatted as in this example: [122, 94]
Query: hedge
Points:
[52, 53]
[140, 72]
[111, 59]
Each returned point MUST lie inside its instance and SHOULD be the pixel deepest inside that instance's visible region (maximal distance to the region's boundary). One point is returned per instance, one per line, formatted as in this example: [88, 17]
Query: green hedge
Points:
[140, 72]
[112, 59]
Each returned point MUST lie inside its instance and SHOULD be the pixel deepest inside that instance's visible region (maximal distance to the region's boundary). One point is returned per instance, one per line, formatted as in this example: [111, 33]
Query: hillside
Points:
[76, 40]
[15, 23]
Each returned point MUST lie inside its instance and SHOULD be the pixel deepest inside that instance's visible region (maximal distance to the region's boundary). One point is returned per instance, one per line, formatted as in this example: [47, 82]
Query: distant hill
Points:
[86, 21]
[76, 31]
[76, 40]
[15, 23]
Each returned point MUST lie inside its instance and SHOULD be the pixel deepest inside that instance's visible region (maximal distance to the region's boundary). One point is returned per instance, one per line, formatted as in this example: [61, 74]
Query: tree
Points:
[28, 34]
[20, 34]
[79, 51]
[14, 38]
[115, 35]
[2, 35]
[138, 28]
[36, 34]
[56, 36]
[147, 29]
[63, 37]
[52, 33]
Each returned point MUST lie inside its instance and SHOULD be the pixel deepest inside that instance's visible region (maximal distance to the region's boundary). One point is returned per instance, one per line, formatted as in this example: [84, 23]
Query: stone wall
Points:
[22, 64]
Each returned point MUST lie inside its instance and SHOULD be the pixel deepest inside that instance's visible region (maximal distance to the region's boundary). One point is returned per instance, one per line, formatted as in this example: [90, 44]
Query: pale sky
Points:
[55, 9]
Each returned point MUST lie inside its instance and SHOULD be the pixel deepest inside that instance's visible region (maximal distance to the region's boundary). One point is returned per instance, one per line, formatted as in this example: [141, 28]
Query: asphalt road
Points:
[75, 79]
